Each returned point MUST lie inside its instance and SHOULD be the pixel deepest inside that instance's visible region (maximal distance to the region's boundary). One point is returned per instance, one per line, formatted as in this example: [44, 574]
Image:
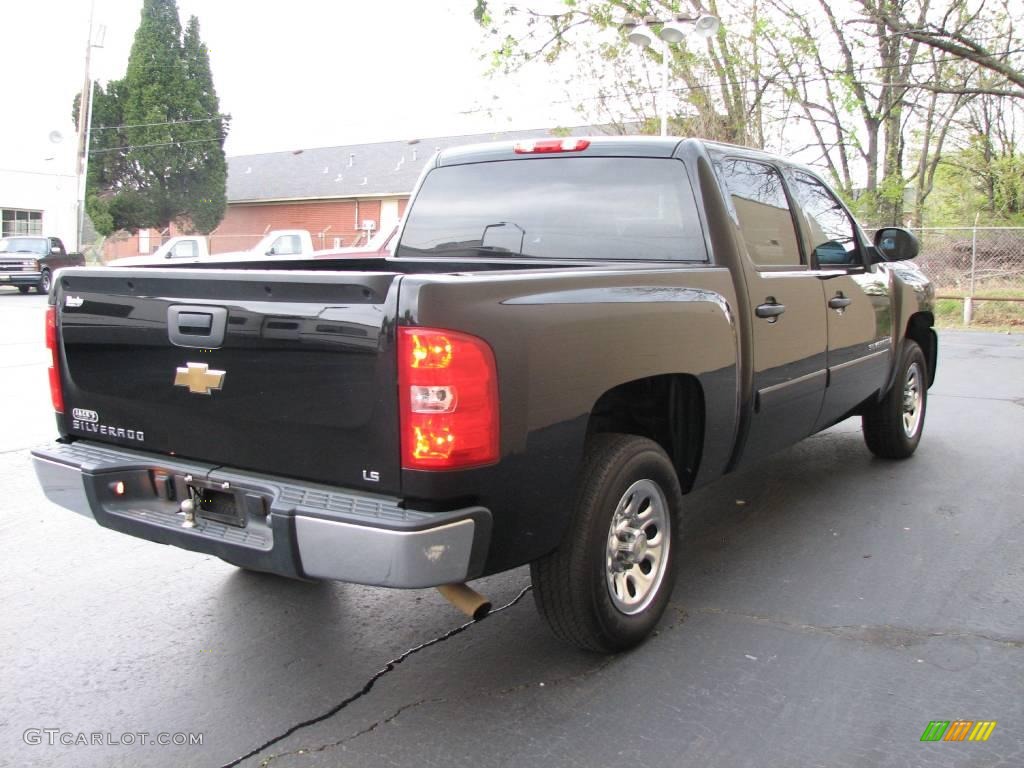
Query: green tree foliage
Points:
[981, 177]
[157, 149]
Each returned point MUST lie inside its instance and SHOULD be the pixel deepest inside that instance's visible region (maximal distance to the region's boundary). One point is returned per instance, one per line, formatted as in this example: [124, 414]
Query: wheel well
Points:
[668, 409]
[919, 329]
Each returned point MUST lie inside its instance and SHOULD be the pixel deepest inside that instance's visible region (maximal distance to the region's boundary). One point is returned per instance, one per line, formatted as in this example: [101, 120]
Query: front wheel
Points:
[607, 585]
[893, 425]
[44, 282]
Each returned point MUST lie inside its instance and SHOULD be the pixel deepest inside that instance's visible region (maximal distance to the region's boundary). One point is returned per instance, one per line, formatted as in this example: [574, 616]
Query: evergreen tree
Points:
[158, 138]
[208, 178]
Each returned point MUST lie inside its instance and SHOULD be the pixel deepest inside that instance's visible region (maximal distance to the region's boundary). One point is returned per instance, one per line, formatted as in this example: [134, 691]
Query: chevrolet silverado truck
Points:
[30, 261]
[571, 336]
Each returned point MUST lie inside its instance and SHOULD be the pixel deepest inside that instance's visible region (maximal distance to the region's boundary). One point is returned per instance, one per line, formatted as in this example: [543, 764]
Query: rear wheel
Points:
[608, 583]
[893, 426]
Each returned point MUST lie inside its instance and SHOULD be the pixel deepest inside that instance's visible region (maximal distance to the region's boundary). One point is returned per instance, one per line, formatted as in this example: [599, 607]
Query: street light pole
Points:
[664, 88]
[672, 31]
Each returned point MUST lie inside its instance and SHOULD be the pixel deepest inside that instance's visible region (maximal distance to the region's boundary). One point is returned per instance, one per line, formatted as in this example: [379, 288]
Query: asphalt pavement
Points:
[829, 605]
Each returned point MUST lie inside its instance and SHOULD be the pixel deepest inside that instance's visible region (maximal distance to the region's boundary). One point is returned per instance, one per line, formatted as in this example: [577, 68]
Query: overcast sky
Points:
[307, 73]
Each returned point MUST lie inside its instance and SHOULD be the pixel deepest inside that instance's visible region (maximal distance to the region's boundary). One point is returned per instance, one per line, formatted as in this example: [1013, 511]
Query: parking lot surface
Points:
[829, 605]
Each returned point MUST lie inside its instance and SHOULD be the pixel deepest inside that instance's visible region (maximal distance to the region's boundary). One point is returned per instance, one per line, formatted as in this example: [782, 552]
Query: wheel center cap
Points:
[633, 546]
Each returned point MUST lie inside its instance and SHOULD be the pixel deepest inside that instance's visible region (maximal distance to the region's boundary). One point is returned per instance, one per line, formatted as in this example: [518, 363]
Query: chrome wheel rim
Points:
[46, 282]
[913, 401]
[638, 543]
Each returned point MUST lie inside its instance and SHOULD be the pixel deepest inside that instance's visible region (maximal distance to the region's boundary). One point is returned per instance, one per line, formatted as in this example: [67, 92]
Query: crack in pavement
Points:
[1014, 400]
[555, 682]
[341, 742]
[605, 663]
[368, 685]
[882, 634]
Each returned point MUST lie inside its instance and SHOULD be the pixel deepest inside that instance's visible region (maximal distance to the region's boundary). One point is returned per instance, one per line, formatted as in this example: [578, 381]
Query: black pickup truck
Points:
[571, 336]
[30, 261]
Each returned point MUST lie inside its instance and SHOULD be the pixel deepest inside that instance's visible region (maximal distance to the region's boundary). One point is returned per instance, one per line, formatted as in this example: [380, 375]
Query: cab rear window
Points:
[577, 208]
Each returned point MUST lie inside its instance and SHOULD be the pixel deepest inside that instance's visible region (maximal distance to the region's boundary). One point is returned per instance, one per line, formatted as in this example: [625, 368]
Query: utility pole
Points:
[85, 128]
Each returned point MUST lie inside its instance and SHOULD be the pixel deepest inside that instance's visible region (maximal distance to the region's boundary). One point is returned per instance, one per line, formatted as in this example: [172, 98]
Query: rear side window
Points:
[613, 208]
[763, 212]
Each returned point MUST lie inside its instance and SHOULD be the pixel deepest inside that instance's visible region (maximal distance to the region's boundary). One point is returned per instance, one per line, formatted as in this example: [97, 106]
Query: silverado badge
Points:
[199, 378]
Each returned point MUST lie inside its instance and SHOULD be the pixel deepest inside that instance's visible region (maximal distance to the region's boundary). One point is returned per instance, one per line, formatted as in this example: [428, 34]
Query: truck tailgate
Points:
[302, 382]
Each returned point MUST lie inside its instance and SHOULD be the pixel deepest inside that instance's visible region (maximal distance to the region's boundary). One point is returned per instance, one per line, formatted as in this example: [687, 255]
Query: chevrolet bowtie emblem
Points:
[199, 378]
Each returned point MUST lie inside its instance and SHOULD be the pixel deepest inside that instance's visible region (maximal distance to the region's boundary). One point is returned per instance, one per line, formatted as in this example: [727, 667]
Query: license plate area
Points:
[215, 504]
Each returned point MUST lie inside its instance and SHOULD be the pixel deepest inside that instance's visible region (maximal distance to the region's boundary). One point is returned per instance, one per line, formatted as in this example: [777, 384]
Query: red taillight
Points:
[551, 145]
[448, 399]
[56, 395]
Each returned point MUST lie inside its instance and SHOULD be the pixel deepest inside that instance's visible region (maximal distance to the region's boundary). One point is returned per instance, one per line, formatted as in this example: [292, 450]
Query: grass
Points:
[988, 315]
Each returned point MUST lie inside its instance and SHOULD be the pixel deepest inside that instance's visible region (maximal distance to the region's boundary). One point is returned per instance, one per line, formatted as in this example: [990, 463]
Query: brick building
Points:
[341, 195]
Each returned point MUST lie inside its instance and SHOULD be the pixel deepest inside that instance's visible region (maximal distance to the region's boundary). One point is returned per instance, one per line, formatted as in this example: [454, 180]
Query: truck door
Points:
[785, 311]
[857, 299]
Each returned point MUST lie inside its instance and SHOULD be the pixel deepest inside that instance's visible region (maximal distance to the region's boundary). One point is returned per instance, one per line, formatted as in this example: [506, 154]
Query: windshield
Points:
[35, 245]
[557, 208]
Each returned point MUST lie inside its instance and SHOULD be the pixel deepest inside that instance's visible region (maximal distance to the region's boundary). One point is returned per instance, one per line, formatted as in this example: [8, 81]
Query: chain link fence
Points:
[978, 272]
[964, 261]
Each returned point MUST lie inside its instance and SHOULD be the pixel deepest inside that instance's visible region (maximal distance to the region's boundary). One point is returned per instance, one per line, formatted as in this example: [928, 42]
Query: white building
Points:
[39, 203]
[38, 183]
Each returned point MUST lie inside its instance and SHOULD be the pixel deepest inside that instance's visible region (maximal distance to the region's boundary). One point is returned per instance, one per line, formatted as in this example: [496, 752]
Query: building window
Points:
[17, 222]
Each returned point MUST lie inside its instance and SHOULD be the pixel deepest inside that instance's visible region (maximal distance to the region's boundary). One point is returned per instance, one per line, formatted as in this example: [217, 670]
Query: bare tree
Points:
[960, 31]
[861, 88]
[717, 81]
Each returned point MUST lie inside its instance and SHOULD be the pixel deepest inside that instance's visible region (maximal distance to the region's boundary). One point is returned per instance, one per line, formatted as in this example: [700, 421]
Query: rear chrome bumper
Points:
[289, 527]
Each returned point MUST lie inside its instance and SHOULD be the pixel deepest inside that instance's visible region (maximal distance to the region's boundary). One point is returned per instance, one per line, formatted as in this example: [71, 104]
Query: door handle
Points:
[839, 302]
[195, 323]
[770, 310]
[197, 327]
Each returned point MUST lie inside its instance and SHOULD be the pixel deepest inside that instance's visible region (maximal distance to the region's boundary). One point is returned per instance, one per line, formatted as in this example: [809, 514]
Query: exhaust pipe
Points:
[467, 600]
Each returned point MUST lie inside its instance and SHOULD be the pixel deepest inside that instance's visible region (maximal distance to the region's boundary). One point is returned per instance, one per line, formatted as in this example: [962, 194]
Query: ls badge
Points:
[199, 378]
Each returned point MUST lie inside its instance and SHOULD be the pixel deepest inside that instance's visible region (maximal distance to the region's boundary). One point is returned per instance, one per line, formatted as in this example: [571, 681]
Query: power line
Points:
[148, 146]
[168, 122]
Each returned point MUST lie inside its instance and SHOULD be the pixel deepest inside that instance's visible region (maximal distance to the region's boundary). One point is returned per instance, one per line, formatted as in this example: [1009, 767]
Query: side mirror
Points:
[55, 250]
[271, 252]
[896, 244]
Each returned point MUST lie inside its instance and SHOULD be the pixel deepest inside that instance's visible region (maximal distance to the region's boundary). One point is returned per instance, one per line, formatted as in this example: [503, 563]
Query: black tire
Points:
[24, 288]
[44, 282]
[893, 426]
[574, 586]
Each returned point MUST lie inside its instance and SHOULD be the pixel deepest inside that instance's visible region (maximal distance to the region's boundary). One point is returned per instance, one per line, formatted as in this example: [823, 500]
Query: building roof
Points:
[380, 169]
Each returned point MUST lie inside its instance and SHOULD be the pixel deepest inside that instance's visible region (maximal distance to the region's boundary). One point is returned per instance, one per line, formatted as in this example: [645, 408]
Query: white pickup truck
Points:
[193, 249]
